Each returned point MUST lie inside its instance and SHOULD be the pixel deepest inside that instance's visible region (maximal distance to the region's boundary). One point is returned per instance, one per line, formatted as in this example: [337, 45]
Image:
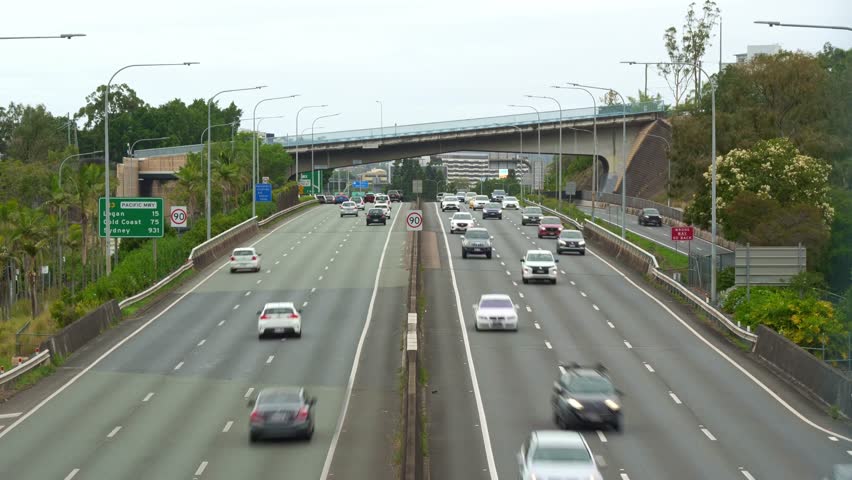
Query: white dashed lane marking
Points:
[529, 309]
[548, 345]
[201, 468]
[248, 293]
[228, 426]
[269, 360]
[572, 282]
[675, 398]
[610, 324]
[583, 293]
[521, 294]
[602, 436]
[248, 392]
[537, 326]
[177, 367]
[627, 344]
[595, 307]
[236, 306]
[650, 368]
[707, 433]
[72, 474]
[221, 323]
[746, 474]
[201, 342]
[148, 397]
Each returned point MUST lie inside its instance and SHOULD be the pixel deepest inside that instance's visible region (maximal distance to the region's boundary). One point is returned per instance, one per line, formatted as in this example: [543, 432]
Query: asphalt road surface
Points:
[693, 407]
[171, 402]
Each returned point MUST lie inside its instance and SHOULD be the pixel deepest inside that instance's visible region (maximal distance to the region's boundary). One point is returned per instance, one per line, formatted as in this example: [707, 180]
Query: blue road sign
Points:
[360, 184]
[264, 192]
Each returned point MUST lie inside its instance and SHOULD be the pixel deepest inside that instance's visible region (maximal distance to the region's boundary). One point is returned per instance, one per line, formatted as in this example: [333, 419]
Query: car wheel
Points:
[260, 336]
[539, 235]
[488, 255]
[476, 326]
[232, 270]
[553, 281]
[526, 280]
[557, 421]
[464, 254]
[298, 335]
[582, 252]
[252, 438]
[616, 425]
[500, 217]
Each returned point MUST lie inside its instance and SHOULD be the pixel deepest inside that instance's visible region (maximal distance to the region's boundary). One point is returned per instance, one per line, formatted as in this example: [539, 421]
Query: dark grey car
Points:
[282, 412]
[650, 216]
[531, 216]
[492, 210]
[476, 241]
[585, 396]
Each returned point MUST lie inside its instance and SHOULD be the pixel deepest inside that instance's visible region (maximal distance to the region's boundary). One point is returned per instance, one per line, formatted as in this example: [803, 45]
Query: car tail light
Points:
[254, 257]
[293, 315]
[302, 415]
[233, 258]
[256, 417]
[264, 317]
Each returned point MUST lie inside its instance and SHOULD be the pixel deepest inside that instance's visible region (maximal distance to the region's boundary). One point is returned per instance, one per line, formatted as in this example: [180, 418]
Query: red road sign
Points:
[682, 234]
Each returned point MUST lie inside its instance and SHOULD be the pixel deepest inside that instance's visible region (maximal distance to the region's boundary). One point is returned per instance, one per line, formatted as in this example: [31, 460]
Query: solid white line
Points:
[114, 431]
[227, 426]
[537, 326]
[148, 397]
[177, 367]
[747, 475]
[72, 474]
[248, 392]
[201, 342]
[602, 436]
[529, 309]
[521, 294]
[548, 345]
[650, 368]
[486, 440]
[11, 415]
[725, 356]
[709, 435]
[221, 323]
[269, 360]
[201, 468]
[675, 398]
[596, 307]
[581, 293]
[333, 446]
[627, 344]
[610, 324]
[236, 306]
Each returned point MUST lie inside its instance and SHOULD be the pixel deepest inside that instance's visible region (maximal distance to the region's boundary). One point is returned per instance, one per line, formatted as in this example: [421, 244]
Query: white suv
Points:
[539, 265]
[450, 202]
[510, 202]
[460, 222]
[496, 311]
[244, 258]
[279, 318]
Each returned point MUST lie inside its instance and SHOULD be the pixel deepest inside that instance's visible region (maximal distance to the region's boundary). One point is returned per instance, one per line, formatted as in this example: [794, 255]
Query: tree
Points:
[86, 187]
[30, 238]
[695, 38]
[191, 184]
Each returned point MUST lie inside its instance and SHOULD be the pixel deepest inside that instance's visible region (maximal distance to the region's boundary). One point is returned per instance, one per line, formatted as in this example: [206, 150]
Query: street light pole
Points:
[61, 164]
[381, 119]
[107, 221]
[559, 163]
[594, 146]
[297, 135]
[209, 147]
[623, 151]
[254, 152]
[132, 146]
[538, 130]
[312, 145]
[773, 23]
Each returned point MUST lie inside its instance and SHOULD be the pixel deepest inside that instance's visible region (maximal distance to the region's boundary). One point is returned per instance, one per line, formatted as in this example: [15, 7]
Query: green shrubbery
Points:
[801, 317]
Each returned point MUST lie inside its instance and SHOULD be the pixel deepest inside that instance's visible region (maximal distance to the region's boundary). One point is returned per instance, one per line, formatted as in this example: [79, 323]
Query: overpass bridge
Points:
[489, 134]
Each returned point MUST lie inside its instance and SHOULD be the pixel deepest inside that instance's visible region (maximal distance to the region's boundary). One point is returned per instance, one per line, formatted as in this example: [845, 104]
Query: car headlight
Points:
[526, 217]
[561, 242]
[575, 404]
[527, 270]
[581, 243]
[553, 268]
[612, 405]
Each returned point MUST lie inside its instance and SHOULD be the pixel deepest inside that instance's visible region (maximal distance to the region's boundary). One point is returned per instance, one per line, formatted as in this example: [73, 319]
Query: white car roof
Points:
[559, 438]
[495, 296]
[244, 248]
[279, 305]
[538, 251]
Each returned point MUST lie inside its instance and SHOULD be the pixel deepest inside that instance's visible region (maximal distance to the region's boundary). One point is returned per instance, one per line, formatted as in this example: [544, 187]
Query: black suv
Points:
[394, 195]
[650, 216]
[586, 396]
[492, 210]
[376, 215]
[531, 216]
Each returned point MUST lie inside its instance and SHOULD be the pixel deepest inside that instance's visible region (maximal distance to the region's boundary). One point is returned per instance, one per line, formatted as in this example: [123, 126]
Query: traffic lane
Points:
[737, 411]
[669, 348]
[374, 408]
[456, 447]
[659, 440]
[100, 409]
[659, 234]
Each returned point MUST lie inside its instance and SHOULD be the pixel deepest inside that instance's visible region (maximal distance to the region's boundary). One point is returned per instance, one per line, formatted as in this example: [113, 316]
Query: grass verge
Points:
[131, 310]
[33, 376]
[667, 258]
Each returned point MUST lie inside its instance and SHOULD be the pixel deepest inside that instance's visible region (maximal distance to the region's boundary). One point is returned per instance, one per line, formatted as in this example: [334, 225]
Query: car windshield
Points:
[375, 211]
[278, 310]
[493, 205]
[539, 257]
[510, 199]
[279, 398]
[496, 303]
[243, 253]
[651, 211]
[499, 192]
[482, 197]
[532, 211]
[459, 194]
[348, 204]
[591, 385]
[550, 220]
[573, 234]
[462, 216]
[561, 454]
[477, 234]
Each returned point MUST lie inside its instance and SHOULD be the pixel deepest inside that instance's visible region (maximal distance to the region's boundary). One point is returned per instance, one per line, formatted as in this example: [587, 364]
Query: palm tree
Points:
[191, 183]
[30, 236]
[87, 187]
[228, 176]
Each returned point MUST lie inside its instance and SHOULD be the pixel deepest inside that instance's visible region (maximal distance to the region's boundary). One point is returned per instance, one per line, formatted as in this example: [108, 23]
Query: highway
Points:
[171, 402]
[693, 407]
[658, 234]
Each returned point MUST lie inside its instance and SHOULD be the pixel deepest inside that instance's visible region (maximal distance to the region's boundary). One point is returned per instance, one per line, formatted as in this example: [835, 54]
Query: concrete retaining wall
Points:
[78, 333]
[223, 248]
[818, 378]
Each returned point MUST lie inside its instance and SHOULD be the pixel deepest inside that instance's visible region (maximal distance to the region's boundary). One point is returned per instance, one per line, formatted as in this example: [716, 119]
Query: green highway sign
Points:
[132, 217]
[311, 187]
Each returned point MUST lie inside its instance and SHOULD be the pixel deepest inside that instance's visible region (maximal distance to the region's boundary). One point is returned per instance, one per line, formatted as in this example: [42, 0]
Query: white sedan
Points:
[557, 454]
[244, 258]
[510, 202]
[460, 222]
[384, 206]
[279, 318]
[496, 312]
[348, 208]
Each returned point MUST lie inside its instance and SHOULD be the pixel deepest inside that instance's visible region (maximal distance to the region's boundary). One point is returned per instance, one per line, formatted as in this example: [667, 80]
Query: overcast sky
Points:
[426, 61]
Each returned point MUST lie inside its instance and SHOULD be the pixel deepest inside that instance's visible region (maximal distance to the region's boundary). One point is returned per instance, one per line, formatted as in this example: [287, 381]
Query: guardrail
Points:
[655, 273]
[412, 426]
[39, 359]
[276, 215]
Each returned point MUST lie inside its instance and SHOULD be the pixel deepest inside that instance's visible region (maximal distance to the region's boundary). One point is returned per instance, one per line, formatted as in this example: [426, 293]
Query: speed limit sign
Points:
[414, 221]
[179, 217]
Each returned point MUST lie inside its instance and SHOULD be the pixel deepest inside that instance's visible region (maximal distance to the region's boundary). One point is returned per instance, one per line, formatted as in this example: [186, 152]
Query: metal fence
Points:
[698, 275]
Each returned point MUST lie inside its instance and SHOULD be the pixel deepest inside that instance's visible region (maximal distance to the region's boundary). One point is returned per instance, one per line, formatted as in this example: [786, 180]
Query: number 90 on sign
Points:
[414, 221]
[178, 217]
